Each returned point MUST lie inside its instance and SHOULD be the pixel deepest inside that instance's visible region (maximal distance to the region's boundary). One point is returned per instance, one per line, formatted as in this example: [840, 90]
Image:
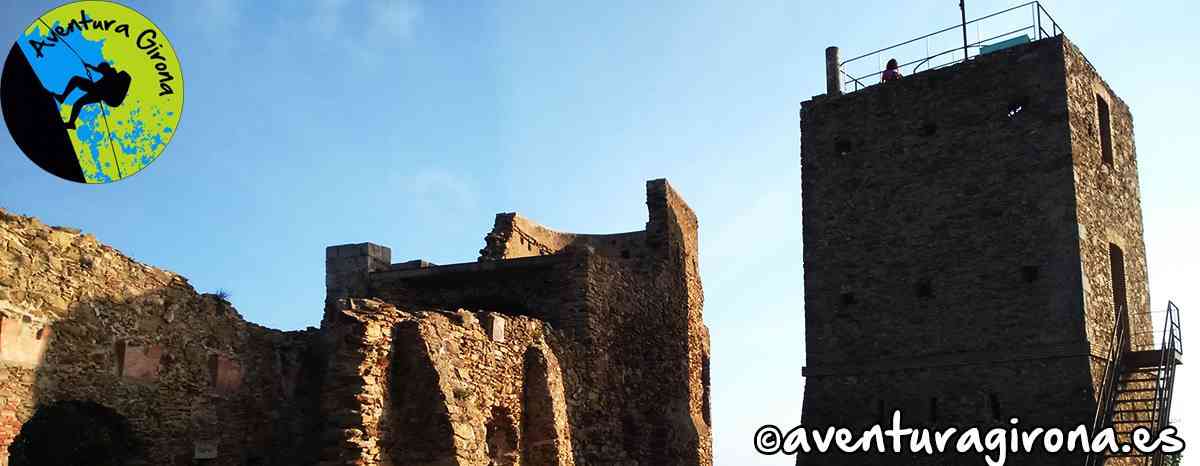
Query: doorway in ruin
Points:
[74, 433]
[502, 439]
[1116, 261]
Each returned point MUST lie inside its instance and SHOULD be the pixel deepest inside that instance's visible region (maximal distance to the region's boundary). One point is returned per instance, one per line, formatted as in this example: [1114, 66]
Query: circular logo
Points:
[92, 91]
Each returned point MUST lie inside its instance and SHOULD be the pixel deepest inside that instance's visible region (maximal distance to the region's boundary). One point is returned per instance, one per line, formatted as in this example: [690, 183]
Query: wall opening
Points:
[842, 147]
[74, 433]
[924, 289]
[994, 406]
[419, 423]
[848, 299]
[543, 441]
[706, 378]
[1116, 262]
[929, 129]
[1102, 114]
[933, 410]
[502, 438]
[1016, 105]
[1029, 273]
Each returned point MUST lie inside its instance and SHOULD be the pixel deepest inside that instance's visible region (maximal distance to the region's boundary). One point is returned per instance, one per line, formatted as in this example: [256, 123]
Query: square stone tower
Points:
[970, 234]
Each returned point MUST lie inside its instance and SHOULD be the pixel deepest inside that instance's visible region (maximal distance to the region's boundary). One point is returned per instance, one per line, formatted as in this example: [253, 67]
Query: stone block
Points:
[493, 324]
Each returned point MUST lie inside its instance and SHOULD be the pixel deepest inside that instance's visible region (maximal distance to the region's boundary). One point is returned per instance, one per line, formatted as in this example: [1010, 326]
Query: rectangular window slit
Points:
[1105, 130]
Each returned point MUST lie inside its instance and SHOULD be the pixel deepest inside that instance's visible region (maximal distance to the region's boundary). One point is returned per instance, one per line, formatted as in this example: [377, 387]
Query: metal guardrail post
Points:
[833, 79]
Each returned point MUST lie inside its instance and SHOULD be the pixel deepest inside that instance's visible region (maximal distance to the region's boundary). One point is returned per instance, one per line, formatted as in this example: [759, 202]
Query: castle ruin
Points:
[552, 349]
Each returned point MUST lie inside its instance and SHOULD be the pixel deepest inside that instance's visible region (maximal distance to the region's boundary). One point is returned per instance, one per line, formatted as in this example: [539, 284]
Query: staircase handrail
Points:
[1172, 348]
[1107, 397]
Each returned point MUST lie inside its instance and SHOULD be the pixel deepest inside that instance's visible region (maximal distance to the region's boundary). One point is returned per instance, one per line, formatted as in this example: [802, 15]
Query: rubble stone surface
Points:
[552, 349]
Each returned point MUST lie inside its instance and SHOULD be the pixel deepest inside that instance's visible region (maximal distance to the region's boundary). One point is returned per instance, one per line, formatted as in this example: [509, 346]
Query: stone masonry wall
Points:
[515, 236]
[942, 248]
[934, 222]
[461, 388]
[83, 322]
[577, 349]
[1109, 210]
[1109, 213]
[629, 307]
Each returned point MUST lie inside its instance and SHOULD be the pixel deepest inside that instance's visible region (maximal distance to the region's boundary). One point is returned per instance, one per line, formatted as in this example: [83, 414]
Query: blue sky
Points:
[410, 124]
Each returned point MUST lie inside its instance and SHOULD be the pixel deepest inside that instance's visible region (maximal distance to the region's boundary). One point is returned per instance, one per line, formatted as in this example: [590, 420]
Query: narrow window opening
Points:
[1102, 115]
[625, 254]
[842, 147]
[1029, 273]
[1116, 260]
[994, 404]
[881, 412]
[1017, 105]
[848, 299]
[706, 378]
[933, 409]
[924, 289]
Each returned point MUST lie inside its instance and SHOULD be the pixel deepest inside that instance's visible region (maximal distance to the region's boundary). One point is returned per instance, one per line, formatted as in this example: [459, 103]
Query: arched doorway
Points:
[74, 433]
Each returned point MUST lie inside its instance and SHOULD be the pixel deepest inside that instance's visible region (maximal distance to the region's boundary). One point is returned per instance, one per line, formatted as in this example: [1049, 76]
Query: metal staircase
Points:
[1137, 387]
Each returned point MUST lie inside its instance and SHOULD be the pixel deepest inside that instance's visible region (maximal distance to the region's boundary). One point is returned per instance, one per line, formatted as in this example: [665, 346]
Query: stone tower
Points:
[970, 234]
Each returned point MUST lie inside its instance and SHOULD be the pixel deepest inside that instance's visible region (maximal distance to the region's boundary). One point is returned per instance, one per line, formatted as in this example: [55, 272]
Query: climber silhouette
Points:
[111, 89]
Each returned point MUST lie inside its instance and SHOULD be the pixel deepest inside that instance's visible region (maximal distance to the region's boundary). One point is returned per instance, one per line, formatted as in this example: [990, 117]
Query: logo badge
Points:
[92, 91]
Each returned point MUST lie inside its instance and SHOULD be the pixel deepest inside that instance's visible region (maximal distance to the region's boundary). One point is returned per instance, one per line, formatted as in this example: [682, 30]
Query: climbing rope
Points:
[103, 108]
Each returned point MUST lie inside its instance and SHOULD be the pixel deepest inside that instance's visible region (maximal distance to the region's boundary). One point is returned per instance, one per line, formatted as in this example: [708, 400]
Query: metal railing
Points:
[1172, 348]
[1106, 399]
[1035, 27]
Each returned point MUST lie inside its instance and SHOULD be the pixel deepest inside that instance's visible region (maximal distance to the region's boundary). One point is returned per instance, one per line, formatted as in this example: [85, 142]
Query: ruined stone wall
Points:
[578, 349]
[941, 245]
[630, 306]
[438, 387]
[82, 322]
[515, 236]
